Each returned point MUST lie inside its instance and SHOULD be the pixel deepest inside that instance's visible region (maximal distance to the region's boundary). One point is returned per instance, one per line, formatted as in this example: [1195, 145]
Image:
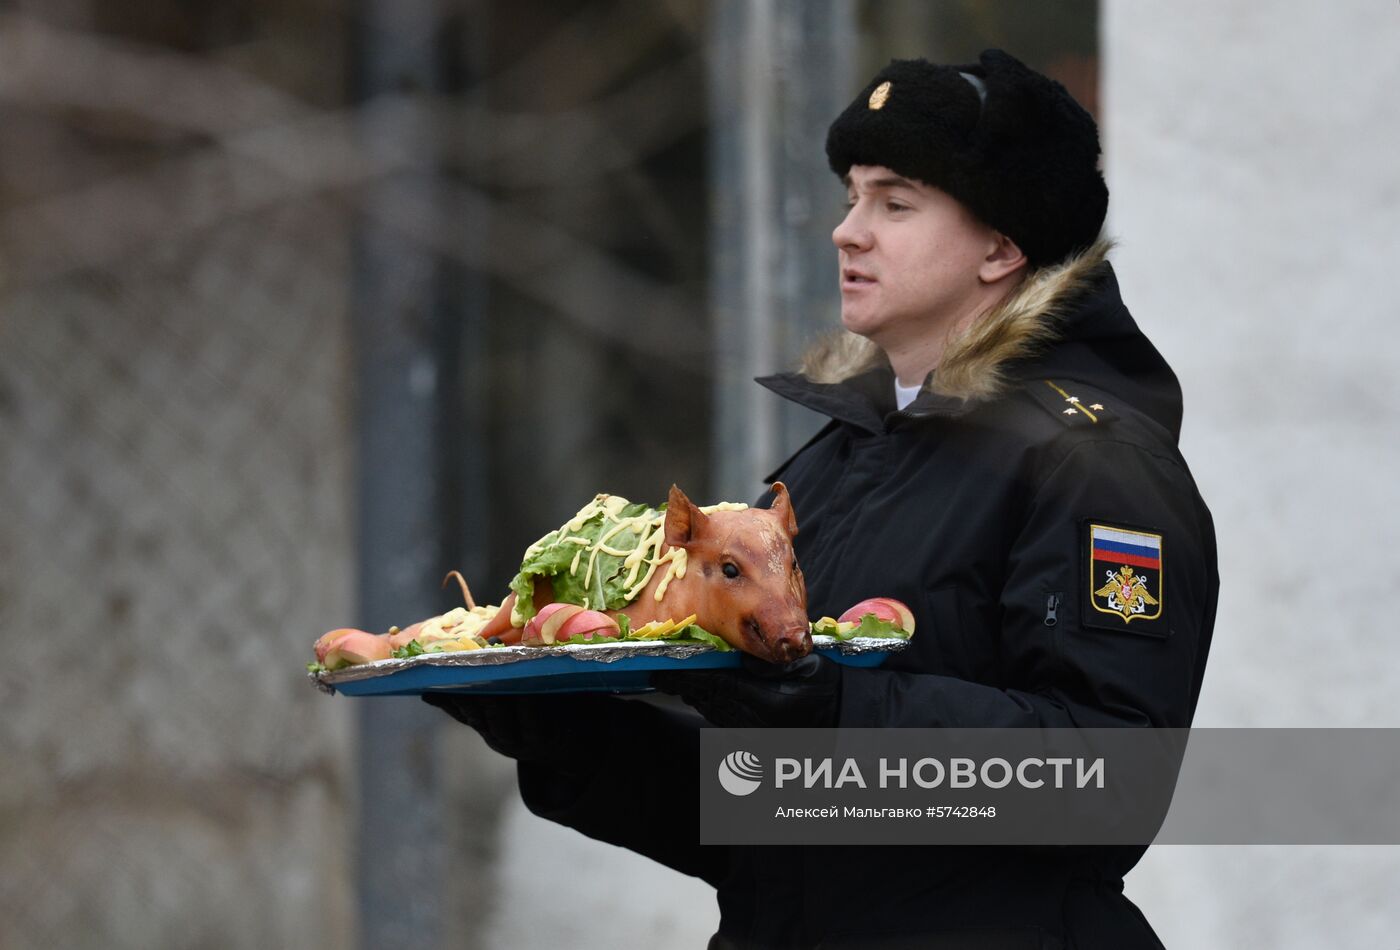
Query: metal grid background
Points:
[176, 490]
[177, 432]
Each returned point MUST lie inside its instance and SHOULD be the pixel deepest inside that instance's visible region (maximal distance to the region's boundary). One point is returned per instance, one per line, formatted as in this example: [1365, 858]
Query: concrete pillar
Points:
[397, 331]
[780, 71]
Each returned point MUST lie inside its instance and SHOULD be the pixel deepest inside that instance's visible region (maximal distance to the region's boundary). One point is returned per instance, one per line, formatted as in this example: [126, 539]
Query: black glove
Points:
[805, 692]
[561, 729]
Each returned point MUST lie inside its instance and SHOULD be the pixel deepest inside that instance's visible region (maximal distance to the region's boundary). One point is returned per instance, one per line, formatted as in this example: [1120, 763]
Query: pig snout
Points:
[793, 646]
[782, 644]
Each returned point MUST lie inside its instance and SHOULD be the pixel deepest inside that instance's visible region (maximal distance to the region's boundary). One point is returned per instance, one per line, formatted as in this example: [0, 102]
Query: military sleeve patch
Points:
[1124, 579]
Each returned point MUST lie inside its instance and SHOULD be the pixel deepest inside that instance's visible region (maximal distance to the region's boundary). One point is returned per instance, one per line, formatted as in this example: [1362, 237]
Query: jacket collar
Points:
[975, 363]
[865, 400]
[854, 401]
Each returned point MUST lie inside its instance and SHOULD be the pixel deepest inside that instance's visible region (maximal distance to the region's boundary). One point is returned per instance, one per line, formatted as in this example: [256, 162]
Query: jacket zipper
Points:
[1052, 606]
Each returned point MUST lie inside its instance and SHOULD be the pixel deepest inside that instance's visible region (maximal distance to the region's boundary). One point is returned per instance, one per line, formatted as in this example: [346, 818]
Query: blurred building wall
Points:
[1251, 154]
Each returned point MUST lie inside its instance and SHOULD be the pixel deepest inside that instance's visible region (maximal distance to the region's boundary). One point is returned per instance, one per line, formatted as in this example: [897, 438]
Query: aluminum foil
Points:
[593, 652]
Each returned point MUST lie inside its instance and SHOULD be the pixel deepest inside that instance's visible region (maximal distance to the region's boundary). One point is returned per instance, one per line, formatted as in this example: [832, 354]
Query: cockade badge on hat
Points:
[880, 96]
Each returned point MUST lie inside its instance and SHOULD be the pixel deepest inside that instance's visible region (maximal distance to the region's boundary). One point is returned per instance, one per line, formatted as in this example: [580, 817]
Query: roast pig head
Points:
[742, 579]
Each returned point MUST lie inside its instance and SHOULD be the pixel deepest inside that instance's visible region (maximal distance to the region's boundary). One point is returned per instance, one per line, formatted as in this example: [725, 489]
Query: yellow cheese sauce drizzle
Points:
[651, 533]
[457, 624]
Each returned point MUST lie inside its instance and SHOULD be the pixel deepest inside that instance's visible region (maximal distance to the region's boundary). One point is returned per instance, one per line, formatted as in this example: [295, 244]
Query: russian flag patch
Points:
[1125, 574]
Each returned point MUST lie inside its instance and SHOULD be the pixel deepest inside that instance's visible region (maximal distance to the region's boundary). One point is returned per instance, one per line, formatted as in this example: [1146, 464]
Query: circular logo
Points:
[740, 773]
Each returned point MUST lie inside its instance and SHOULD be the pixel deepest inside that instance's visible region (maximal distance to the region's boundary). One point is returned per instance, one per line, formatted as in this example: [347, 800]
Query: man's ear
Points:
[684, 521]
[1003, 260]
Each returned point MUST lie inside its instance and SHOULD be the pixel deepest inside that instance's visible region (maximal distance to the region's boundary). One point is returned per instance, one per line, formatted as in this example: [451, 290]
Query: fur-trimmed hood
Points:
[1067, 320]
[974, 364]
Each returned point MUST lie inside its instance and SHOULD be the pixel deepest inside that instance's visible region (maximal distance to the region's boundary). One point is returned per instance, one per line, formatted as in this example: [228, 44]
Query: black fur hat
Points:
[1010, 144]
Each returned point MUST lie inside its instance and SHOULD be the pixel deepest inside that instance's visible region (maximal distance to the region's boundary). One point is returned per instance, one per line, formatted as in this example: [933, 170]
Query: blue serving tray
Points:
[574, 669]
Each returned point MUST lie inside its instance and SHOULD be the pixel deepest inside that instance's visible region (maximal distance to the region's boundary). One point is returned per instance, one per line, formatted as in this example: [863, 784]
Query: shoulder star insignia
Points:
[1075, 411]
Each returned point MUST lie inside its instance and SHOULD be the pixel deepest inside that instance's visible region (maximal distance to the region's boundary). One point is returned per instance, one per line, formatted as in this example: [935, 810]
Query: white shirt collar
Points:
[904, 395]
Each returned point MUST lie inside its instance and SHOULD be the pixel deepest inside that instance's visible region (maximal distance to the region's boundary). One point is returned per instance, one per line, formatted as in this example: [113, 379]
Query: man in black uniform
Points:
[1002, 457]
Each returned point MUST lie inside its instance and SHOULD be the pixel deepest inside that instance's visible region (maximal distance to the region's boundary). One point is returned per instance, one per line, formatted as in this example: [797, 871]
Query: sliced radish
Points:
[530, 634]
[874, 605]
[906, 616]
[549, 630]
[884, 608]
[357, 647]
[589, 624]
[328, 640]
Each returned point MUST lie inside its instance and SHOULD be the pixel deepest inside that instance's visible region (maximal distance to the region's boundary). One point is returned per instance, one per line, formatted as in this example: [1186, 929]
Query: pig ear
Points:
[684, 521]
[782, 507]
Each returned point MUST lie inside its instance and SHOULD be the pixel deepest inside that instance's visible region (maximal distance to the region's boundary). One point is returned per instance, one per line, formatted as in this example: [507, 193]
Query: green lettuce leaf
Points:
[693, 633]
[607, 582]
[549, 558]
[580, 638]
[409, 649]
[696, 632]
[873, 626]
[870, 626]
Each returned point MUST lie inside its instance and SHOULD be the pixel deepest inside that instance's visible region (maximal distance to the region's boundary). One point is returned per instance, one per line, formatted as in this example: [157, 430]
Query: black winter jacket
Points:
[1002, 523]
